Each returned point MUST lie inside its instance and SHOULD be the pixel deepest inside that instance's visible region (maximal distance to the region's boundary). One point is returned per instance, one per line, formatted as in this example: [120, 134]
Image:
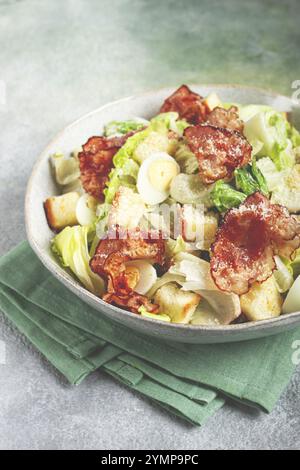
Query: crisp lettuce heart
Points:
[119, 128]
[70, 246]
[273, 130]
[283, 275]
[224, 196]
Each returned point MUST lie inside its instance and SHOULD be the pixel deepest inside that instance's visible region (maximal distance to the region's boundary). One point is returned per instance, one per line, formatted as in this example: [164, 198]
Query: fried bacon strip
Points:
[225, 118]
[248, 240]
[109, 260]
[95, 162]
[187, 104]
[219, 151]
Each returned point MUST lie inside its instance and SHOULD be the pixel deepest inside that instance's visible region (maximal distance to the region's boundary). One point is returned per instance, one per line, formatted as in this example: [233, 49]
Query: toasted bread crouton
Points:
[61, 210]
[263, 301]
[212, 101]
[179, 305]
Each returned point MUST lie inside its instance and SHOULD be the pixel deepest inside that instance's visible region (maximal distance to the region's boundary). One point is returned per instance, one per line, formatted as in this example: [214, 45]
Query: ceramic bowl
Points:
[41, 185]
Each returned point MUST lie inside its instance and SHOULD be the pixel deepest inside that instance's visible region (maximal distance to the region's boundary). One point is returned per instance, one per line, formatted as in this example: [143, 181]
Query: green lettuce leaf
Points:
[115, 128]
[161, 317]
[250, 179]
[123, 175]
[186, 159]
[246, 112]
[126, 168]
[245, 181]
[70, 246]
[259, 177]
[173, 247]
[294, 135]
[224, 196]
[292, 301]
[272, 129]
[165, 122]
[295, 264]
[283, 274]
[284, 185]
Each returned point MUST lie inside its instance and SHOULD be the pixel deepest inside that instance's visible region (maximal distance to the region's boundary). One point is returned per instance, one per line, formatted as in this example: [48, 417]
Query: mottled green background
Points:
[112, 48]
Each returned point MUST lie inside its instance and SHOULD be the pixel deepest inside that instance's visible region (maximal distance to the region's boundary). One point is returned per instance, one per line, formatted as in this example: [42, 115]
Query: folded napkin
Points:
[192, 381]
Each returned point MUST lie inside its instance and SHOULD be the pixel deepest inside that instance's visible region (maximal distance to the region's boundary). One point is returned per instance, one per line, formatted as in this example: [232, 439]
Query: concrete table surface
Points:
[58, 60]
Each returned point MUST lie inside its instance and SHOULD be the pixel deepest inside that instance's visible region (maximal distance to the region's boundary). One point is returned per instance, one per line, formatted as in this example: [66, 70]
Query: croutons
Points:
[263, 301]
[61, 210]
[179, 305]
[212, 101]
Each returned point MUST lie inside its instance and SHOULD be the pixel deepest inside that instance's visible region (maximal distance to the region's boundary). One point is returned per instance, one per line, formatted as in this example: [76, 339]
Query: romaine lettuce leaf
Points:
[197, 278]
[126, 168]
[189, 189]
[126, 152]
[168, 122]
[250, 179]
[284, 185]
[272, 129]
[294, 135]
[245, 181]
[295, 264]
[205, 315]
[173, 247]
[259, 177]
[283, 275]
[117, 128]
[123, 175]
[292, 301]
[66, 169]
[186, 159]
[224, 196]
[247, 111]
[272, 176]
[70, 246]
[160, 317]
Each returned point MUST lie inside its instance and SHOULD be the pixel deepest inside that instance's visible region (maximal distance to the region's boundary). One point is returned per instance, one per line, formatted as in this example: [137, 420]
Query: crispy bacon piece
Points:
[95, 162]
[131, 302]
[110, 257]
[219, 151]
[247, 241]
[187, 104]
[226, 118]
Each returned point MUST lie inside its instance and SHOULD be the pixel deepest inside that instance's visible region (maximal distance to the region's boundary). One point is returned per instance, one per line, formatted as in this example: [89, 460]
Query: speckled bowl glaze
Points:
[41, 186]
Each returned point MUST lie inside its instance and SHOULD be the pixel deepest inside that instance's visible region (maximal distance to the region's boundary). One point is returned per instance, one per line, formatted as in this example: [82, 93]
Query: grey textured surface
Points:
[60, 59]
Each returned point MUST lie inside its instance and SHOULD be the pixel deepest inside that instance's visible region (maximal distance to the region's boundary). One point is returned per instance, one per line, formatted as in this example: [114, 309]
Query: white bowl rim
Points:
[282, 321]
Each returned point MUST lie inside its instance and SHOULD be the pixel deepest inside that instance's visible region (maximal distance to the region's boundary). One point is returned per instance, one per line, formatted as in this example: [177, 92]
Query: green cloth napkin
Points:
[189, 380]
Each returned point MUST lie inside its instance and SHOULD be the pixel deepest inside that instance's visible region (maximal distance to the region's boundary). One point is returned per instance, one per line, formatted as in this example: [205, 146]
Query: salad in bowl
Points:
[190, 217]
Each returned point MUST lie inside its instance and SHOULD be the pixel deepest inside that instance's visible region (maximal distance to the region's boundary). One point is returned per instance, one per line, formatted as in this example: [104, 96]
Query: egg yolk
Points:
[161, 173]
